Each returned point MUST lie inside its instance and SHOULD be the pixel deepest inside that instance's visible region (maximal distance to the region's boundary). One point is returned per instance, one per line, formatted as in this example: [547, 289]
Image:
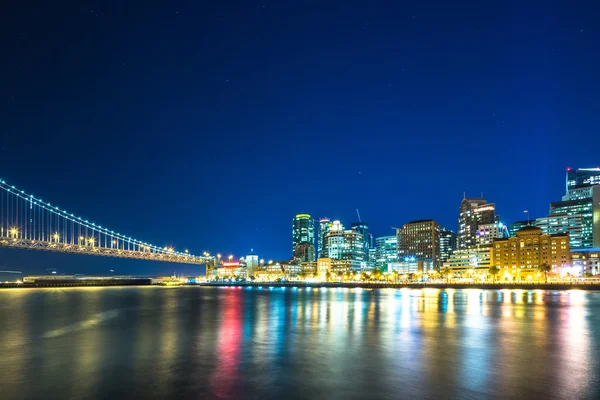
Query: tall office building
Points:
[346, 244]
[514, 227]
[582, 177]
[324, 227]
[487, 233]
[447, 244]
[421, 240]
[473, 212]
[333, 241]
[579, 211]
[363, 229]
[386, 251]
[303, 231]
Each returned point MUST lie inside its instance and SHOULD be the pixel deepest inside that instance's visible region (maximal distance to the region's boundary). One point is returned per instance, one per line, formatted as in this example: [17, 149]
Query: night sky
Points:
[209, 125]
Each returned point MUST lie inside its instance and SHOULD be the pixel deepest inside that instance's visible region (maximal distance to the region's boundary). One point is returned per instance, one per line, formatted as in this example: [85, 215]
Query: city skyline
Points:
[207, 126]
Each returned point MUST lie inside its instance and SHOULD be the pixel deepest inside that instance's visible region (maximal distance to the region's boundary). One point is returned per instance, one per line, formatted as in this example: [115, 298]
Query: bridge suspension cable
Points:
[28, 222]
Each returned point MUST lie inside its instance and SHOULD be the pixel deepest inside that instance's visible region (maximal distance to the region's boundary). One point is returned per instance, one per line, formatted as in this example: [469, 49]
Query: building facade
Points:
[487, 233]
[303, 230]
[585, 261]
[473, 212]
[324, 226]
[447, 244]
[386, 251]
[472, 262]
[519, 258]
[421, 239]
[514, 227]
[363, 229]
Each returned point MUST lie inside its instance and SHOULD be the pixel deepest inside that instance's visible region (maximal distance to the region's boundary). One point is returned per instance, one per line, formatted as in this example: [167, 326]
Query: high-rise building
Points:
[473, 212]
[324, 226]
[386, 251]
[582, 177]
[304, 252]
[363, 229]
[447, 244]
[303, 230]
[519, 258]
[579, 211]
[421, 239]
[345, 245]
[565, 223]
[487, 233]
[333, 241]
[514, 227]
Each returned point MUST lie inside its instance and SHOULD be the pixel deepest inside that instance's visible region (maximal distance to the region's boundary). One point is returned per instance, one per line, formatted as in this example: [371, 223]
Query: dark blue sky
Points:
[209, 125]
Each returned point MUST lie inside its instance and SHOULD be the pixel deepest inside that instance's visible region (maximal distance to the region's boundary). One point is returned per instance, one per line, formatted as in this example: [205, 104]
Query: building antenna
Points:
[359, 220]
[464, 195]
[482, 195]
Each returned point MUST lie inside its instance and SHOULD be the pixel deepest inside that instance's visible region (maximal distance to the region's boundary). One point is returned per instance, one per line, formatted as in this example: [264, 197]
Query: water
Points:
[192, 342]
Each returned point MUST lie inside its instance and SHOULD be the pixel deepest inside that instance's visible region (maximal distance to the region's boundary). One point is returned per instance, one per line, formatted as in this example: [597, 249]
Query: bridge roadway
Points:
[99, 251]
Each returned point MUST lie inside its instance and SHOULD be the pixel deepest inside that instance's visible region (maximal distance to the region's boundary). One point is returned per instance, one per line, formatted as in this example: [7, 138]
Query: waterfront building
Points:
[334, 267]
[487, 233]
[386, 252]
[474, 262]
[410, 265]
[324, 227]
[303, 230]
[585, 261]
[447, 244]
[514, 227]
[251, 261]
[519, 258]
[473, 212]
[420, 239]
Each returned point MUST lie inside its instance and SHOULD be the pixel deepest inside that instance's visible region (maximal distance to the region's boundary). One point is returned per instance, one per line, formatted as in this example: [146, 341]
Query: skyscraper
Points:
[447, 244]
[347, 244]
[473, 212]
[303, 231]
[363, 229]
[386, 251]
[421, 239]
[324, 226]
[514, 227]
[579, 211]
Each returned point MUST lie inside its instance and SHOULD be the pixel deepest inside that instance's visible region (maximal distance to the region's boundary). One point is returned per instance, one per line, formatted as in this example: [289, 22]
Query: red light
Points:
[568, 168]
[231, 264]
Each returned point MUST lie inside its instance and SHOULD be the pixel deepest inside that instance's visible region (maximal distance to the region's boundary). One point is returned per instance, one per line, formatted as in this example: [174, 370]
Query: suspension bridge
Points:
[27, 222]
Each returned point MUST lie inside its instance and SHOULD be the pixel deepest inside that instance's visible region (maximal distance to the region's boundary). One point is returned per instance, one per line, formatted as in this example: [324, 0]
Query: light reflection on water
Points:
[298, 343]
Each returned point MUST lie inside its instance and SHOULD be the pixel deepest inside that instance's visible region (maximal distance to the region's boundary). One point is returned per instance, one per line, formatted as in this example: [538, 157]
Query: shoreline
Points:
[367, 285]
[348, 285]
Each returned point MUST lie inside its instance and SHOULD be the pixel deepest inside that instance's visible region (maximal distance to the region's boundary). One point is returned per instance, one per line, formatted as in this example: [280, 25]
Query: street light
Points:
[91, 240]
[230, 257]
[56, 236]
[219, 256]
[14, 231]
